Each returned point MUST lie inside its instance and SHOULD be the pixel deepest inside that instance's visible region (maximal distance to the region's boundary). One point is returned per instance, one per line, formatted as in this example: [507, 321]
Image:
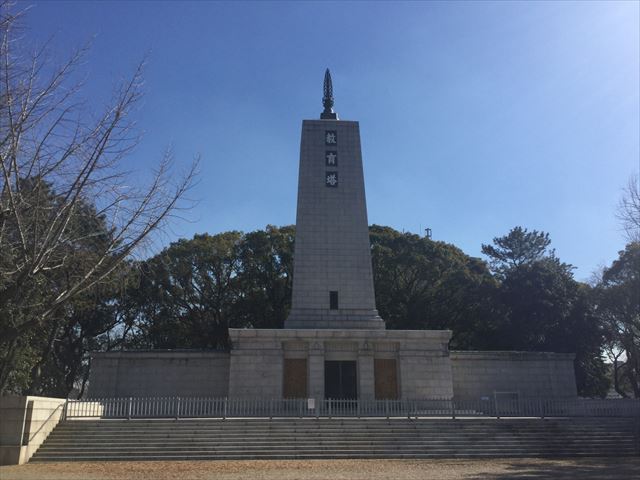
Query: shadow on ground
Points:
[578, 469]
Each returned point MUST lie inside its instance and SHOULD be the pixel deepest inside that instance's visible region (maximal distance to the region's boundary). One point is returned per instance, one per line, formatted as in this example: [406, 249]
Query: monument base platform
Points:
[341, 319]
[340, 363]
[316, 363]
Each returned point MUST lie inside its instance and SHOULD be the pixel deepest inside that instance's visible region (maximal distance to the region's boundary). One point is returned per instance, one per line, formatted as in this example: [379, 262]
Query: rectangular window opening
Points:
[333, 300]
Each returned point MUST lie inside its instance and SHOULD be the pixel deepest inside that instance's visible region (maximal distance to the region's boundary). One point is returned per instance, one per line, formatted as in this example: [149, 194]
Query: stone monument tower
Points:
[334, 344]
[333, 280]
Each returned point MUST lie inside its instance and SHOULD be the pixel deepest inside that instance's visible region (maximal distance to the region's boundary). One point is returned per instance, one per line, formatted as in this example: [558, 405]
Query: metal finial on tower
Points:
[327, 99]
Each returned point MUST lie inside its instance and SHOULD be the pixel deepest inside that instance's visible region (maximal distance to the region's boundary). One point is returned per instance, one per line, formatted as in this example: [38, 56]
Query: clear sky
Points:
[475, 117]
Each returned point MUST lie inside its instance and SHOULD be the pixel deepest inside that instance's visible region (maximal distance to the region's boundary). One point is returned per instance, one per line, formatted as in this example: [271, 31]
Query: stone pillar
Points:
[366, 378]
[316, 370]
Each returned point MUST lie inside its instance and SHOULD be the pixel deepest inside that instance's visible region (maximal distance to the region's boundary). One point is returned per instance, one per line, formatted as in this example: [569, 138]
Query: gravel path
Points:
[500, 469]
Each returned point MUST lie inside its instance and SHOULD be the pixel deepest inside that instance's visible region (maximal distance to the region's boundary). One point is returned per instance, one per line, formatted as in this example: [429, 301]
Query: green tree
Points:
[422, 284]
[619, 309]
[545, 309]
[194, 290]
[91, 322]
[28, 361]
[188, 292]
[265, 277]
[518, 247]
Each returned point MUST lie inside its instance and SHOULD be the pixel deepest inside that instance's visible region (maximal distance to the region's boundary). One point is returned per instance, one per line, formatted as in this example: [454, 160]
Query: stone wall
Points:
[254, 368]
[529, 374]
[425, 375]
[25, 422]
[159, 373]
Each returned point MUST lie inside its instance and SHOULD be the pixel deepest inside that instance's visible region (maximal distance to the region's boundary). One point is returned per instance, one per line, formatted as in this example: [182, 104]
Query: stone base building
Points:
[334, 344]
[294, 364]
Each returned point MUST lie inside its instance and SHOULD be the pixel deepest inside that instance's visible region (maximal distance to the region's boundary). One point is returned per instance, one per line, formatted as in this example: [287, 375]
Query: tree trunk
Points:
[36, 371]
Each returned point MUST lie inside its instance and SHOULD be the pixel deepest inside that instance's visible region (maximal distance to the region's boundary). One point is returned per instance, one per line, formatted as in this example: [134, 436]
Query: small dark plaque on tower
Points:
[331, 158]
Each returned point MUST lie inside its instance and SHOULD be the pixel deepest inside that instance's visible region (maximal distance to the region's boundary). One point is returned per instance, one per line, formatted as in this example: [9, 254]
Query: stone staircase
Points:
[296, 438]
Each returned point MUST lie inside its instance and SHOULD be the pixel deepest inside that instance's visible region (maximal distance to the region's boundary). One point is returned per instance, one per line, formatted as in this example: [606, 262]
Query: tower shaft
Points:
[333, 280]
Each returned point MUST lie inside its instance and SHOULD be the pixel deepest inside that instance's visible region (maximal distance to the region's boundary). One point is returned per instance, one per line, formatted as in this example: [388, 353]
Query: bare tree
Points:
[629, 209]
[49, 143]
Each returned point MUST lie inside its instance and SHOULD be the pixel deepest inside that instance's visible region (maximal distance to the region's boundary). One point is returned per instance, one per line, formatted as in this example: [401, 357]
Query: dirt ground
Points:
[500, 469]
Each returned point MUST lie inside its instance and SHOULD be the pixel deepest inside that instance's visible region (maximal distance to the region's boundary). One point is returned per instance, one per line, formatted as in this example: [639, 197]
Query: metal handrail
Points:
[209, 407]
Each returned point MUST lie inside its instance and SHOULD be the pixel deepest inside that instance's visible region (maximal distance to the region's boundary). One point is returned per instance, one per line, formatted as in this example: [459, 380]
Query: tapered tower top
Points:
[327, 99]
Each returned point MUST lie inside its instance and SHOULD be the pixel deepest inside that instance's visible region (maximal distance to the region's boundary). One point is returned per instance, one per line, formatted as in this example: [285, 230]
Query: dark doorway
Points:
[340, 380]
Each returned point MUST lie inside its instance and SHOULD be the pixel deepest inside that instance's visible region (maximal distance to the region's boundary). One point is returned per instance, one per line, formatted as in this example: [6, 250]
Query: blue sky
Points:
[475, 117]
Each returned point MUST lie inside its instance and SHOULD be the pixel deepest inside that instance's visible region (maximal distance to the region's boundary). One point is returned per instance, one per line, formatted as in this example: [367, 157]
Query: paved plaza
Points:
[497, 469]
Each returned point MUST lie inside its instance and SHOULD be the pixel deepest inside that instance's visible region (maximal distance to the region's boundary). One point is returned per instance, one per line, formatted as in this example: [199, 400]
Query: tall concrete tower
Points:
[333, 280]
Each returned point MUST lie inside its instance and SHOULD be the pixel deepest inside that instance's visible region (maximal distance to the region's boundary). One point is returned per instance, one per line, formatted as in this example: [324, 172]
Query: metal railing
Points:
[195, 407]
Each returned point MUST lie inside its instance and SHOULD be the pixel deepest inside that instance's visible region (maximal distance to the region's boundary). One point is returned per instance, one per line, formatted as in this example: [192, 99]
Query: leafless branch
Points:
[629, 209]
[55, 163]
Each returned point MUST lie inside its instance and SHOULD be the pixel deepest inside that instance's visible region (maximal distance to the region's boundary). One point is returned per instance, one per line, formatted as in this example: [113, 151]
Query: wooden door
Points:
[386, 378]
[295, 378]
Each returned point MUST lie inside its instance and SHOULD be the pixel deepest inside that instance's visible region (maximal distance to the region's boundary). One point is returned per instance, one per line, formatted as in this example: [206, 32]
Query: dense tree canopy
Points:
[190, 293]
[422, 284]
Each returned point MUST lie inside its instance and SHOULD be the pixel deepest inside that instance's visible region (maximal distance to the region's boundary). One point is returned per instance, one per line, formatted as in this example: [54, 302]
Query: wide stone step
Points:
[250, 448]
[327, 448]
[354, 421]
[364, 430]
[364, 422]
[338, 430]
[328, 456]
[459, 439]
[345, 438]
[350, 421]
[328, 439]
[342, 448]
